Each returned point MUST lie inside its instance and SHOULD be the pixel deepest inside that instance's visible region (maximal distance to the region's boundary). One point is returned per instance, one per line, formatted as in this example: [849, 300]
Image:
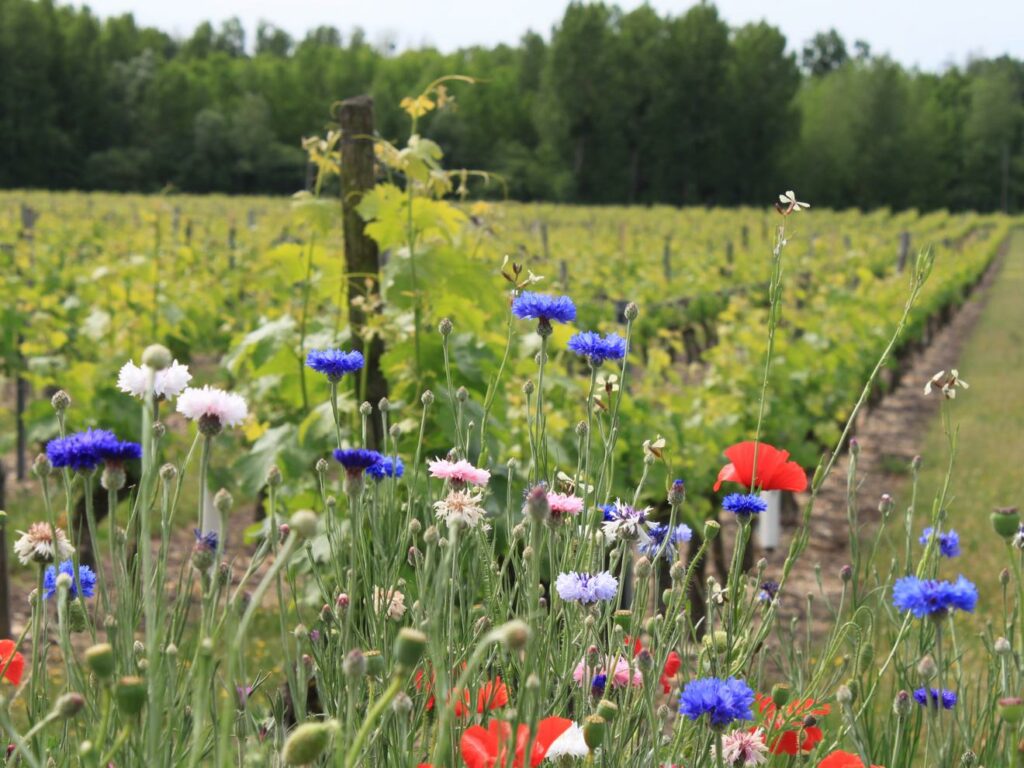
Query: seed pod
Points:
[307, 742]
[130, 694]
[594, 727]
[409, 647]
[100, 659]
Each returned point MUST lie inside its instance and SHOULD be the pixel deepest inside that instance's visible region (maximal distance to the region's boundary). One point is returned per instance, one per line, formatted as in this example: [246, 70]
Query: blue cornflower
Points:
[657, 534]
[84, 451]
[930, 597]
[586, 587]
[948, 698]
[386, 467]
[598, 684]
[544, 308]
[86, 578]
[623, 521]
[207, 540]
[723, 701]
[356, 460]
[120, 451]
[744, 504]
[949, 542]
[597, 349]
[769, 590]
[334, 363]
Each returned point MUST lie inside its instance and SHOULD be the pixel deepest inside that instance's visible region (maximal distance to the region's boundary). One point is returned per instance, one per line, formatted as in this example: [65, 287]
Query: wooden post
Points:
[745, 236]
[545, 251]
[563, 274]
[901, 262]
[666, 259]
[362, 261]
[5, 596]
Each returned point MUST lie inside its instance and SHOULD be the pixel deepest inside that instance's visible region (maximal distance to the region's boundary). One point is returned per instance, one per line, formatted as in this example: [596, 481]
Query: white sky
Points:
[925, 33]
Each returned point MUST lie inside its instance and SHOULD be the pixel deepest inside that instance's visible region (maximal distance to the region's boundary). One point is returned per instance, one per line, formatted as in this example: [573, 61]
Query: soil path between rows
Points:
[890, 435]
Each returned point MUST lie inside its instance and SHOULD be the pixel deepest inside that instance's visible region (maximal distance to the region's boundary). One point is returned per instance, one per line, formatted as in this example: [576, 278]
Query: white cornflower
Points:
[462, 507]
[743, 748]
[391, 602]
[790, 203]
[570, 744]
[624, 522]
[167, 383]
[947, 383]
[213, 408]
[42, 544]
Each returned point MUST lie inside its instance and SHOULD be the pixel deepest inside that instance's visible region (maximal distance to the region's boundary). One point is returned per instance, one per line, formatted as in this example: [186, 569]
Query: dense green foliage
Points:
[612, 107]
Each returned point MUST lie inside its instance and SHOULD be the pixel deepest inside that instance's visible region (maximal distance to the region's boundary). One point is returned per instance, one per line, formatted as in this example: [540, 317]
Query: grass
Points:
[989, 419]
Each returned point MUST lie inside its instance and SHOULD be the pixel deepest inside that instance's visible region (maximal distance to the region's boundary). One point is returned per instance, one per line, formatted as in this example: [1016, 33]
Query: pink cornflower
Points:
[460, 471]
[743, 748]
[619, 678]
[562, 505]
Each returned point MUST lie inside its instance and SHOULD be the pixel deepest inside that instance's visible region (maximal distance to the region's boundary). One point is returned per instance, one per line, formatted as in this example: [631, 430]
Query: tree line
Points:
[611, 107]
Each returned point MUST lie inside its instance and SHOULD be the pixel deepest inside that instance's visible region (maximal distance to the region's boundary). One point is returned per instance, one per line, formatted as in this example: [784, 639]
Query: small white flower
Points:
[41, 544]
[226, 409]
[947, 383]
[167, 383]
[570, 744]
[463, 507]
[391, 602]
[790, 203]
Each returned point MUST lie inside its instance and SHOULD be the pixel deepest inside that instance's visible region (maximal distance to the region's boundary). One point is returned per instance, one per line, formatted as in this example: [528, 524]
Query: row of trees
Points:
[612, 107]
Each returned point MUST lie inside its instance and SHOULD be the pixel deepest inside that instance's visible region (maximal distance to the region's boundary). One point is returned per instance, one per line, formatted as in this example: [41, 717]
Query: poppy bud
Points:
[130, 693]
[711, 529]
[780, 695]
[374, 664]
[1005, 521]
[307, 742]
[1011, 709]
[409, 647]
[594, 727]
[100, 659]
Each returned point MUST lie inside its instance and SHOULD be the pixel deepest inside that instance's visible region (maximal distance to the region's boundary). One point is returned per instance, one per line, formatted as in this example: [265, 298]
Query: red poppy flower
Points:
[840, 759]
[423, 683]
[492, 695]
[12, 660]
[790, 722]
[774, 470]
[486, 747]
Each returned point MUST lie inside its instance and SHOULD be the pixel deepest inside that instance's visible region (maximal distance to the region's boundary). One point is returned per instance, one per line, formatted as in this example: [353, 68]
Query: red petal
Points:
[786, 744]
[17, 661]
[672, 664]
[812, 736]
[840, 759]
[548, 729]
[479, 747]
[789, 477]
[729, 474]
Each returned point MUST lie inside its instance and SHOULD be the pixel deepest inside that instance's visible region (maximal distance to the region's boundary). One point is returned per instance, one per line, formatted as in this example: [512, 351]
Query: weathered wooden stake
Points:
[901, 262]
[5, 597]
[563, 274]
[362, 262]
[545, 250]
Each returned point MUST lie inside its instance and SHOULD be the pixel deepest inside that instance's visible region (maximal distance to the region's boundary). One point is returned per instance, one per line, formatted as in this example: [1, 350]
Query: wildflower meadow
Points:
[543, 545]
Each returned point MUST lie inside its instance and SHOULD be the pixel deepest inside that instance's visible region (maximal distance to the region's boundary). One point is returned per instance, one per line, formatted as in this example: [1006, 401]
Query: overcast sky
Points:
[929, 34]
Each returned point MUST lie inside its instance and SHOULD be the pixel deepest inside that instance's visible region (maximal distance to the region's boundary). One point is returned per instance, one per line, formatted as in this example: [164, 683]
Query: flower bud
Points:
[365, 408]
[431, 535]
[159, 430]
[711, 529]
[968, 759]
[1004, 577]
[100, 659]
[780, 695]
[901, 704]
[1011, 708]
[222, 501]
[354, 664]
[274, 477]
[68, 705]
[77, 618]
[594, 727]
[1002, 647]
[130, 694]
[383, 405]
[515, 634]
[157, 357]
[321, 466]
[342, 601]
[1005, 521]
[168, 473]
[410, 645]
[632, 311]
[644, 661]
[113, 477]
[886, 504]
[607, 709]
[427, 398]
[60, 401]
[307, 742]
[304, 522]
[927, 668]
[846, 573]
[462, 394]
[582, 428]
[676, 493]
[42, 466]
[401, 705]
[374, 663]
[528, 387]
[445, 327]
[537, 506]
[844, 695]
